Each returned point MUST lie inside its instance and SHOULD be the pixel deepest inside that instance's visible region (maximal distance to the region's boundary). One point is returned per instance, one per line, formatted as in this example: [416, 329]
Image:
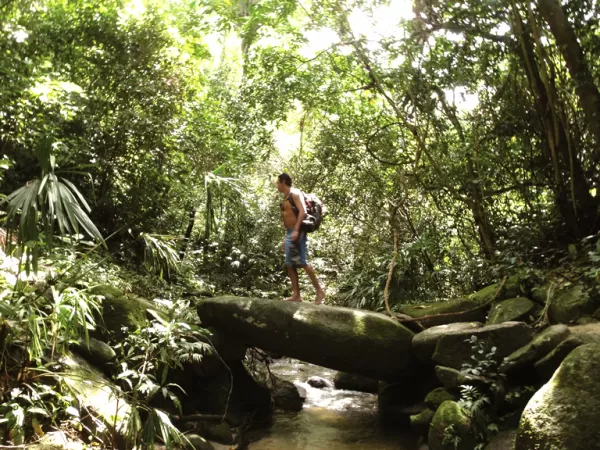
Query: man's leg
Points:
[293, 273]
[315, 282]
[292, 256]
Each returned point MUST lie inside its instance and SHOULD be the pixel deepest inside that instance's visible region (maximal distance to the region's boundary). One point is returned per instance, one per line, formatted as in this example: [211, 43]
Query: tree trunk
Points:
[207, 219]
[188, 233]
[571, 190]
[589, 97]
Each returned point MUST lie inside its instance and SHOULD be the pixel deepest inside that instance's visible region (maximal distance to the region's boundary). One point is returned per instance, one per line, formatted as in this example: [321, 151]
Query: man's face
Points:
[279, 185]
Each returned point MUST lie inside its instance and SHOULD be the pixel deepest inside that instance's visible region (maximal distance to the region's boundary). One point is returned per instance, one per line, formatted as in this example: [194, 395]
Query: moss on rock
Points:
[450, 416]
[509, 310]
[349, 340]
[424, 342]
[462, 308]
[564, 413]
[127, 311]
[97, 352]
[452, 378]
[453, 349]
[568, 305]
[352, 382]
[546, 366]
[540, 346]
[438, 396]
[420, 422]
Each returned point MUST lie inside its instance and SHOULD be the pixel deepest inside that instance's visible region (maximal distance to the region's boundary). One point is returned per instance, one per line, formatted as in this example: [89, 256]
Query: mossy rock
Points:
[454, 349]
[438, 396]
[420, 422]
[564, 413]
[540, 346]
[197, 442]
[450, 414]
[462, 309]
[218, 432]
[351, 382]
[504, 440]
[107, 291]
[96, 352]
[452, 378]
[98, 395]
[510, 310]
[546, 366]
[286, 395]
[128, 311]
[569, 304]
[586, 320]
[539, 294]
[343, 339]
[424, 343]
[459, 308]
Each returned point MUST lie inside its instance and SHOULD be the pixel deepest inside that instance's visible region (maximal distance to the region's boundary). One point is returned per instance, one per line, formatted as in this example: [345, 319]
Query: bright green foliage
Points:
[145, 358]
[458, 125]
[52, 199]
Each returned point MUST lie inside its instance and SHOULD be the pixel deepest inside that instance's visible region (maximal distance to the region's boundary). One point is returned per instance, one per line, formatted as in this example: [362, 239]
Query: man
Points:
[293, 212]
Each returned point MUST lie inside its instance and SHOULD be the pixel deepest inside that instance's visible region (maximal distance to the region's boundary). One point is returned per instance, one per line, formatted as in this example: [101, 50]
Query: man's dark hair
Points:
[285, 179]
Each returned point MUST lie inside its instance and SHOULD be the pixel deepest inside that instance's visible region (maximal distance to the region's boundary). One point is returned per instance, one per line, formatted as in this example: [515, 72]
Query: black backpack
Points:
[315, 210]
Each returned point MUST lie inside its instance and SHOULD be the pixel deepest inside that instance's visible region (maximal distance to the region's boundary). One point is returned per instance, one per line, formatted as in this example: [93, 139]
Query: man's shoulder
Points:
[295, 191]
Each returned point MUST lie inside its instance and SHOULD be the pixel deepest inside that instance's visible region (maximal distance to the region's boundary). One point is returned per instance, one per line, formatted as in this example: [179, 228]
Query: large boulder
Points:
[509, 310]
[450, 416]
[286, 395]
[579, 335]
[96, 352]
[564, 413]
[504, 440]
[352, 382]
[420, 422]
[452, 378]
[540, 346]
[120, 310]
[569, 304]
[438, 396]
[454, 349]
[349, 340]
[103, 402]
[424, 342]
[449, 311]
[465, 309]
[227, 346]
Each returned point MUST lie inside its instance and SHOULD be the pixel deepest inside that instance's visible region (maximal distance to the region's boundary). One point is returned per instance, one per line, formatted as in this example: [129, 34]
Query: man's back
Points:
[289, 213]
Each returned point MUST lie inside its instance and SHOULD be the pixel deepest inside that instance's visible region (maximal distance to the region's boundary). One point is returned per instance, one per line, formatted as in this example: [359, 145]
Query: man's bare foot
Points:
[320, 297]
[293, 299]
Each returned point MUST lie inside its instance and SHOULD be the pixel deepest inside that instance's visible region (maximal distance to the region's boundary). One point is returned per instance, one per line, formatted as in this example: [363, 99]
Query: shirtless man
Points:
[293, 211]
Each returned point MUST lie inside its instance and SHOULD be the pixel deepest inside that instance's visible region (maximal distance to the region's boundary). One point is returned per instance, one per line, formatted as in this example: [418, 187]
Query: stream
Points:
[331, 419]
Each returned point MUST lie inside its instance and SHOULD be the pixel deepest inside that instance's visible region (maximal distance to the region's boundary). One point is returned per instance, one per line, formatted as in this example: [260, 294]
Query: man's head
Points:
[284, 182]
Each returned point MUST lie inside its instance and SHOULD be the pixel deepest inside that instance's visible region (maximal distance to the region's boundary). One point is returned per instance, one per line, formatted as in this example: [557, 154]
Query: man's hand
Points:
[295, 235]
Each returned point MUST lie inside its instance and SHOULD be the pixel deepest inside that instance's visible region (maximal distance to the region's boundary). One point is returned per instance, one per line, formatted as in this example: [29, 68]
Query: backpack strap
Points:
[291, 200]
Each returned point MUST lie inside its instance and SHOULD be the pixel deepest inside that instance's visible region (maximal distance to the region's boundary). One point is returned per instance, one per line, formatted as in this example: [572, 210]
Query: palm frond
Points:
[159, 253]
[54, 201]
[159, 425]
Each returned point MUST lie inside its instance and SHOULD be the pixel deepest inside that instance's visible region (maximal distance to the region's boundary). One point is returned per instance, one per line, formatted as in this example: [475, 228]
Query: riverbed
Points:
[331, 419]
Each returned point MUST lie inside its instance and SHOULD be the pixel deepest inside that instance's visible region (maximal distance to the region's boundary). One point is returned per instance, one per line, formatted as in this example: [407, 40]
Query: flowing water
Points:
[330, 420]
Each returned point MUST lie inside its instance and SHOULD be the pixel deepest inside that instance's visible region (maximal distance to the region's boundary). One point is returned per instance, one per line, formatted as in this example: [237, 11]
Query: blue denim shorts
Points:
[295, 252]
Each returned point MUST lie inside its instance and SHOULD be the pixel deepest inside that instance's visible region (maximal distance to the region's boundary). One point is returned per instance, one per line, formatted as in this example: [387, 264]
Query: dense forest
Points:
[453, 143]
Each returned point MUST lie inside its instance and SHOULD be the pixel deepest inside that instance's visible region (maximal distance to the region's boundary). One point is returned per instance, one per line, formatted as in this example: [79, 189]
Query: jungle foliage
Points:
[470, 129]
[140, 142]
